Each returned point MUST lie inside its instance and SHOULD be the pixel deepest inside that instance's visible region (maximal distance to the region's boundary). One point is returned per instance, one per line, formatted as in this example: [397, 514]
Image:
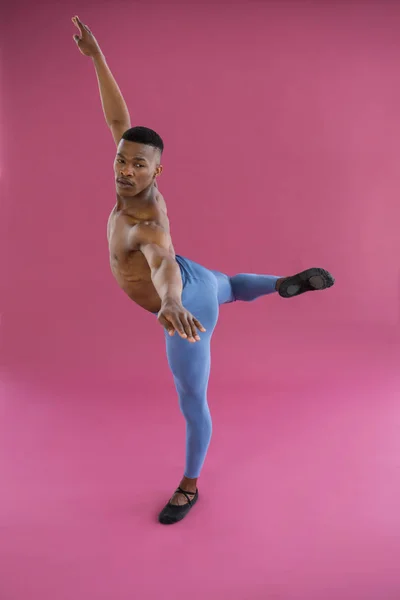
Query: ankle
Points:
[189, 485]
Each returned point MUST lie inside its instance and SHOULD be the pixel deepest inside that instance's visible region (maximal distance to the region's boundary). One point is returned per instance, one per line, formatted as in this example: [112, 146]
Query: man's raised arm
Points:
[114, 107]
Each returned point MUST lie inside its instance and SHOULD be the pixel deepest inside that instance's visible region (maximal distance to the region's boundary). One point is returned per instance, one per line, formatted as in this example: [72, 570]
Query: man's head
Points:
[137, 162]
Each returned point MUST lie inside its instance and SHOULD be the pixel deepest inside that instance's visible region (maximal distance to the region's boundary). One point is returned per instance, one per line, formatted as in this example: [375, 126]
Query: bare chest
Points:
[127, 266]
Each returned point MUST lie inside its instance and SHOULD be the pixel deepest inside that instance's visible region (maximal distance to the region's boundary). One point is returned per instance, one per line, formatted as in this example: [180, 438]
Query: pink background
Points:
[282, 130]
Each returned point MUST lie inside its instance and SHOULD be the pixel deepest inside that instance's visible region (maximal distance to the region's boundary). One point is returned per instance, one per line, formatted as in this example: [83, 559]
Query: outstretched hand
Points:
[175, 318]
[86, 41]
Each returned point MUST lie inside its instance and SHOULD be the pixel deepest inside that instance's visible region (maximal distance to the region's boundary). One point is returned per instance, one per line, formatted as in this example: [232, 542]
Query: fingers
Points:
[81, 26]
[171, 323]
[189, 327]
[198, 325]
[182, 327]
[184, 324]
[77, 24]
[193, 331]
[166, 324]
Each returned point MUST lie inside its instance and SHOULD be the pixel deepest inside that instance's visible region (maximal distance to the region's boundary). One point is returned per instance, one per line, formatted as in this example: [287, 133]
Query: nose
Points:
[126, 172]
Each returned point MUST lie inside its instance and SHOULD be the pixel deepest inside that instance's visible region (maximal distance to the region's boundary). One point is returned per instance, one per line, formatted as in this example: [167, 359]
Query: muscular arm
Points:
[114, 107]
[155, 244]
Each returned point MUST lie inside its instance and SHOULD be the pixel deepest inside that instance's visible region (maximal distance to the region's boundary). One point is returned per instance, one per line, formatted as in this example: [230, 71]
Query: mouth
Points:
[124, 183]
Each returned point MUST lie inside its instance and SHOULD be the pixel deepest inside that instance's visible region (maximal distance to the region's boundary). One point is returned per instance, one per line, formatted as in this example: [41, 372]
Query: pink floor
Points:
[299, 497]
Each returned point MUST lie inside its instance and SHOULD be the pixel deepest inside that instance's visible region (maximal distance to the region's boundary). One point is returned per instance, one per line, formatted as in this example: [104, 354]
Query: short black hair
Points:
[144, 135]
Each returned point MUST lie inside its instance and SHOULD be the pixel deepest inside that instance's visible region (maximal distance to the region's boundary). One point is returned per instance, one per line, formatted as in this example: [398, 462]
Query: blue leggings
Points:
[203, 292]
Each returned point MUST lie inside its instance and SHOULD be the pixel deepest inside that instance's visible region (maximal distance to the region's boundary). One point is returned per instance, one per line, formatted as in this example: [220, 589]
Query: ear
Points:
[158, 171]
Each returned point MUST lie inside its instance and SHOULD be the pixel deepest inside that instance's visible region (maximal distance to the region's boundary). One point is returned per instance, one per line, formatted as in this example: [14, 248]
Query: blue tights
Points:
[203, 292]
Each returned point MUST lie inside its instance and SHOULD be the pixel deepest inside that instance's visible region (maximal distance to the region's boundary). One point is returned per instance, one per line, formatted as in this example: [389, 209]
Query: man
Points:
[184, 295]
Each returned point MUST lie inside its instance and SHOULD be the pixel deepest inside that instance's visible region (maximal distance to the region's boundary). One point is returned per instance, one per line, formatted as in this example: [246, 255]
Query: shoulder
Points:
[148, 232]
[111, 220]
[161, 202]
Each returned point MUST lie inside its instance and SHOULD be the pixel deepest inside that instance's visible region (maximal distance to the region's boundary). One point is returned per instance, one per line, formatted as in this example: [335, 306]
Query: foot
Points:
[306, 281]
[179, 499]
[178, 507]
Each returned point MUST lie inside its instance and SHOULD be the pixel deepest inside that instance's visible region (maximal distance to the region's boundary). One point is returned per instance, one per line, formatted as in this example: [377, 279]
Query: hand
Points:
[174, 317]
[86, 43]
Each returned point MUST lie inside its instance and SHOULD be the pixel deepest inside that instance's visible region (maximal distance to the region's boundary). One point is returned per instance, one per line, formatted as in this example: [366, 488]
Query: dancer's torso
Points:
[130, 268]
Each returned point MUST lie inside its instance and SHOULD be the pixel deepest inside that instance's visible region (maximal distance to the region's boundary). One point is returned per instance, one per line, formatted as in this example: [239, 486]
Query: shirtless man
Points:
[183, 295]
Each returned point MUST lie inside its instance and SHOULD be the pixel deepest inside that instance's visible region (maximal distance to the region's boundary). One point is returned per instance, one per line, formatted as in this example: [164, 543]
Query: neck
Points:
[146, 196]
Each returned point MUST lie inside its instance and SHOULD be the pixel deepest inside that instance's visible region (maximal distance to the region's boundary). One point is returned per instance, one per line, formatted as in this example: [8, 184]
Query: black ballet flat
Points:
[171, 513]
[306, 281]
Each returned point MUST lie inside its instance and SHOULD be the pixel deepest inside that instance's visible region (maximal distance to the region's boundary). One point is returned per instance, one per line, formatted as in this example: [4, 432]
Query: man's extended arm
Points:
[114, 107]
[154, 244]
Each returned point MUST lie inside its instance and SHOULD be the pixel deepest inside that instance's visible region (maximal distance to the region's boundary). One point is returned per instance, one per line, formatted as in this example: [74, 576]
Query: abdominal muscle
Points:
[131, 269]
[134, 278]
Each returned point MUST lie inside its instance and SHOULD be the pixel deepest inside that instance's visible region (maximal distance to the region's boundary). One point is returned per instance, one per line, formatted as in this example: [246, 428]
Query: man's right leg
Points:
[190, 365]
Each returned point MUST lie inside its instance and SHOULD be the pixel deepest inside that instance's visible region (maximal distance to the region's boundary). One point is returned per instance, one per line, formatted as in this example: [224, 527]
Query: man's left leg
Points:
[247, 287]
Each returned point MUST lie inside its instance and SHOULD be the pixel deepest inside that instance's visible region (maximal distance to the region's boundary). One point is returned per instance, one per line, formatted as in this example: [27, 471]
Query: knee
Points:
[236, 284]
[191, 394]
[193, 405]
[191, 378]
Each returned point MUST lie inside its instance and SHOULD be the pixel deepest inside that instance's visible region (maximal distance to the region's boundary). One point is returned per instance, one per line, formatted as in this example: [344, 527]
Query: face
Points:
[136, 166]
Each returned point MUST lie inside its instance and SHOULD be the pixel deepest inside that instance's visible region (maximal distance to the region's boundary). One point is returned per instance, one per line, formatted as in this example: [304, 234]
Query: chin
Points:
[128, 192]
